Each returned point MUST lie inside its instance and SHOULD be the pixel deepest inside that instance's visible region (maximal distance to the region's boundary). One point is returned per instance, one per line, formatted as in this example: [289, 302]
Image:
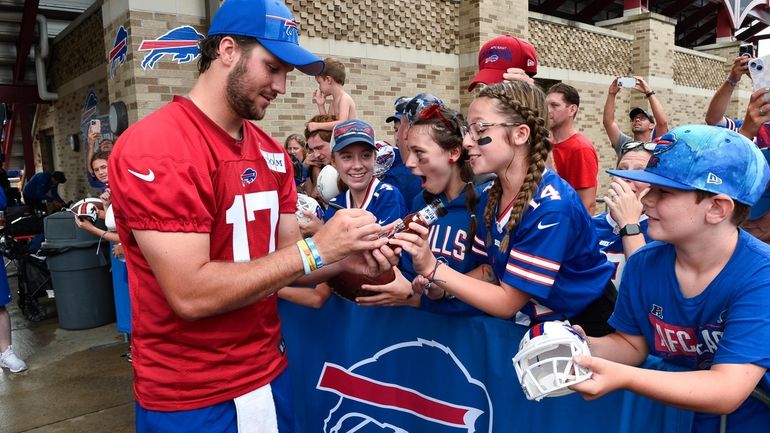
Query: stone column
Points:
[144, 90]
[480, 21]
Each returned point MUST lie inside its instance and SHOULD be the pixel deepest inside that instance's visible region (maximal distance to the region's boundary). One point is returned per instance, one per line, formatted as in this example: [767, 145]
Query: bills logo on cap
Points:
[248, 176]
[495, 53]
[90, 107]
[180, 43]
[530, 62]
[282, 29]
[119, 50]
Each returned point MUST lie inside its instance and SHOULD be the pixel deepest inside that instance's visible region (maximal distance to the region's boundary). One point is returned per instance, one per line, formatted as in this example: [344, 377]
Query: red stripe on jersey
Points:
[535, 260]
[529, 275]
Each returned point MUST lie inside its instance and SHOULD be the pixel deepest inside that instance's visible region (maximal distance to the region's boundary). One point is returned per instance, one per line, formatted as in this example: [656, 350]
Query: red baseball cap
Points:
[501, 53]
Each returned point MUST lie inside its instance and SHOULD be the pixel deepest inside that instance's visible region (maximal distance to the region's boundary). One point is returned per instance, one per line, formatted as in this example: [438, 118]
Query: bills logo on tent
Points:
[90, 107]
[180, 43]
[119, 50]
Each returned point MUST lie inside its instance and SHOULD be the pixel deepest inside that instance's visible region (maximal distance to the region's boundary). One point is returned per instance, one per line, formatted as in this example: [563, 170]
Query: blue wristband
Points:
[319, 263]
[305, 262]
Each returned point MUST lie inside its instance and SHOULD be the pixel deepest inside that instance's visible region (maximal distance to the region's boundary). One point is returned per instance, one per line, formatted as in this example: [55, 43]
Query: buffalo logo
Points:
[180, 43]
[90, 107]
[248, 176]
[288, 27]
[493, 54]
[379, 395]
[119, 50]
[664, 144]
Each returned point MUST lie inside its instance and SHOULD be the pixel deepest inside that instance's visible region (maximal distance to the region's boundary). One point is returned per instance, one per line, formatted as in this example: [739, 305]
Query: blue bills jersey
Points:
[382, 200]
[448, 238]
[551, 254]
[610, 242]
[727, 323]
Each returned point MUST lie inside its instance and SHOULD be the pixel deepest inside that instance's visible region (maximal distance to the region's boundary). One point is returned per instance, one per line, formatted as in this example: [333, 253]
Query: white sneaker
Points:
[9, 360]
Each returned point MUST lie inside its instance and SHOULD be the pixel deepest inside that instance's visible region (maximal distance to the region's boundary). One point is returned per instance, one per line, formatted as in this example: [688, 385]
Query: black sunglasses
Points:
[631, 145]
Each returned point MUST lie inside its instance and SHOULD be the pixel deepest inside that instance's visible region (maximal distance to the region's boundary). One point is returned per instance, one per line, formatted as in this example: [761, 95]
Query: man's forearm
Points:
[718, 105]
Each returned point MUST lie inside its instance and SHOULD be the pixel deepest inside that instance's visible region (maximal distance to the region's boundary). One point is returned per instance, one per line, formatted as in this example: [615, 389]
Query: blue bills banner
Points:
[398, 370]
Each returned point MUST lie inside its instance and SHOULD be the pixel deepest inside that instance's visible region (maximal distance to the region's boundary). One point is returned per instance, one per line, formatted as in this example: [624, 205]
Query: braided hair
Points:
[445, 131]
[525, 103]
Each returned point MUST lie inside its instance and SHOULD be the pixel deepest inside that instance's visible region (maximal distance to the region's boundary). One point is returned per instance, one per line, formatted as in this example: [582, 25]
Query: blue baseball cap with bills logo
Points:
[272, 24]
[707, 158]
[352, 132]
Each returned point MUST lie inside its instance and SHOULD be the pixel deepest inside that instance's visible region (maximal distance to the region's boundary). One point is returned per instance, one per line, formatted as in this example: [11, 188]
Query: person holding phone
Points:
[644, 125]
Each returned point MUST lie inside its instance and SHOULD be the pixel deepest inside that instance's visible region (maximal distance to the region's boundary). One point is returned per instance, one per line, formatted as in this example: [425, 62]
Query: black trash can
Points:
[80, 272]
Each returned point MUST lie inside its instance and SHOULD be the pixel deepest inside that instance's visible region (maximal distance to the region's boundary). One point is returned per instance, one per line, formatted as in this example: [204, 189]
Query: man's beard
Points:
[236, 93]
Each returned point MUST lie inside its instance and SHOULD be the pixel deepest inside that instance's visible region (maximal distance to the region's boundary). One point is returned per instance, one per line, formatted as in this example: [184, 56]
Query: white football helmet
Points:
[326, 183]
[304, 203]
[85, 210]
[544, 362]
[386, 155]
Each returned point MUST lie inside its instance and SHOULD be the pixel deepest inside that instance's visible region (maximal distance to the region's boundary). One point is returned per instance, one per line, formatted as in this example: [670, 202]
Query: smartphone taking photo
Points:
[96, 125]
[628, 82]
[746, 50]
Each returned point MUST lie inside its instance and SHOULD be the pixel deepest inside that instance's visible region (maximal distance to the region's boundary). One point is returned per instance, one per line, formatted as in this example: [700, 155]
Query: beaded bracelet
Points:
[432, 278]
[319, 263]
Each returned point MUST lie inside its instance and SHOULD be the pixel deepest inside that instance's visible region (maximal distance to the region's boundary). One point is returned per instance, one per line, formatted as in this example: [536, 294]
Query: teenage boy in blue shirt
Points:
[700, 298]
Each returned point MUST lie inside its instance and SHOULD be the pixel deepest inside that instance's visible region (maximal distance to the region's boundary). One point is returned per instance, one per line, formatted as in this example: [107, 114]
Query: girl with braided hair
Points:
[534, 230]
[437, 157]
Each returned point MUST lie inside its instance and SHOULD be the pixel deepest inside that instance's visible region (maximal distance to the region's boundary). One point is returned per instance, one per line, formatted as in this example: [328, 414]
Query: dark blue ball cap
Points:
[272, 24]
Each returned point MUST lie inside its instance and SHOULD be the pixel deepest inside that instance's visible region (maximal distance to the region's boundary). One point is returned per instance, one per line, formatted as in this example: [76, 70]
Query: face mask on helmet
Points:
[85, 210]
[544, 363]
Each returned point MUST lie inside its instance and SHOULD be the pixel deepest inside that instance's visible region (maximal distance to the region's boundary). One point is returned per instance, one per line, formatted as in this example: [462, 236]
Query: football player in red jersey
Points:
[204, 203]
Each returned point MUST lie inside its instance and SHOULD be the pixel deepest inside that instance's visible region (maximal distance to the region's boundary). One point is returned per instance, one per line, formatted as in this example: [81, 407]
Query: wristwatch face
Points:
[630, 229]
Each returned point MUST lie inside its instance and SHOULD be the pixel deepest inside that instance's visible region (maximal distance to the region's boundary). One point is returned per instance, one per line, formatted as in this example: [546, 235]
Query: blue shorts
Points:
[5, 289]
[219, 418]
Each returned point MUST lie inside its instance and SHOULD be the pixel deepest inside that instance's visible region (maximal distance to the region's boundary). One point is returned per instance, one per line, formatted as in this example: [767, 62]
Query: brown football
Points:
[348, 284]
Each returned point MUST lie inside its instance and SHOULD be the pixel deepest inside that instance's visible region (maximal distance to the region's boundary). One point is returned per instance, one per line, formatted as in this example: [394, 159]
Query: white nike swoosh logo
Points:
[542, 226]
[149, 177]
[381, 222]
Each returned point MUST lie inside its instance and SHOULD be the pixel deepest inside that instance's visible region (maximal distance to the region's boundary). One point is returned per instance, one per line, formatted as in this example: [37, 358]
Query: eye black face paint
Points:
[484, 141]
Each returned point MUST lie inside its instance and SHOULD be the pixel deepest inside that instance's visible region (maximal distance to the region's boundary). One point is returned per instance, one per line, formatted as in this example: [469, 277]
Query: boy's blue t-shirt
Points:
[551, 255]
[385, 202]
[448, 238]
[729, 322]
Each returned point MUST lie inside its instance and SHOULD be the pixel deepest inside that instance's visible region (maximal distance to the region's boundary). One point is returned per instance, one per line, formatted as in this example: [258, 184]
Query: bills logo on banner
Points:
[119, 50]
[371, 400]
[399, 370]
[180, 43]
[90, 108]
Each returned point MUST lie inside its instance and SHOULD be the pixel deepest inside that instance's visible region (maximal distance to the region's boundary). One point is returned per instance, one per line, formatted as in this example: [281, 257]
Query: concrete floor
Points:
[77, 380]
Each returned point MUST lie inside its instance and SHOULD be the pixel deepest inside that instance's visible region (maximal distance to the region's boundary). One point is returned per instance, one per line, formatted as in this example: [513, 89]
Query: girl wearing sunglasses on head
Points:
[437, 157]
[534, 230]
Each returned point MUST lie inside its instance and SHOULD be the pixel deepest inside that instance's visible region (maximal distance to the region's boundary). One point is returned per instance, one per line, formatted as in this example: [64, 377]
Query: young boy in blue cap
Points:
[700, 298]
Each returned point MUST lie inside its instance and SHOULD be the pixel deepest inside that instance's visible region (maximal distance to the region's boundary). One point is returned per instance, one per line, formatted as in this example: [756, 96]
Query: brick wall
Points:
[567, 47]
[430, 25]
[373, 84]
[79, 65]
[697, 71]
